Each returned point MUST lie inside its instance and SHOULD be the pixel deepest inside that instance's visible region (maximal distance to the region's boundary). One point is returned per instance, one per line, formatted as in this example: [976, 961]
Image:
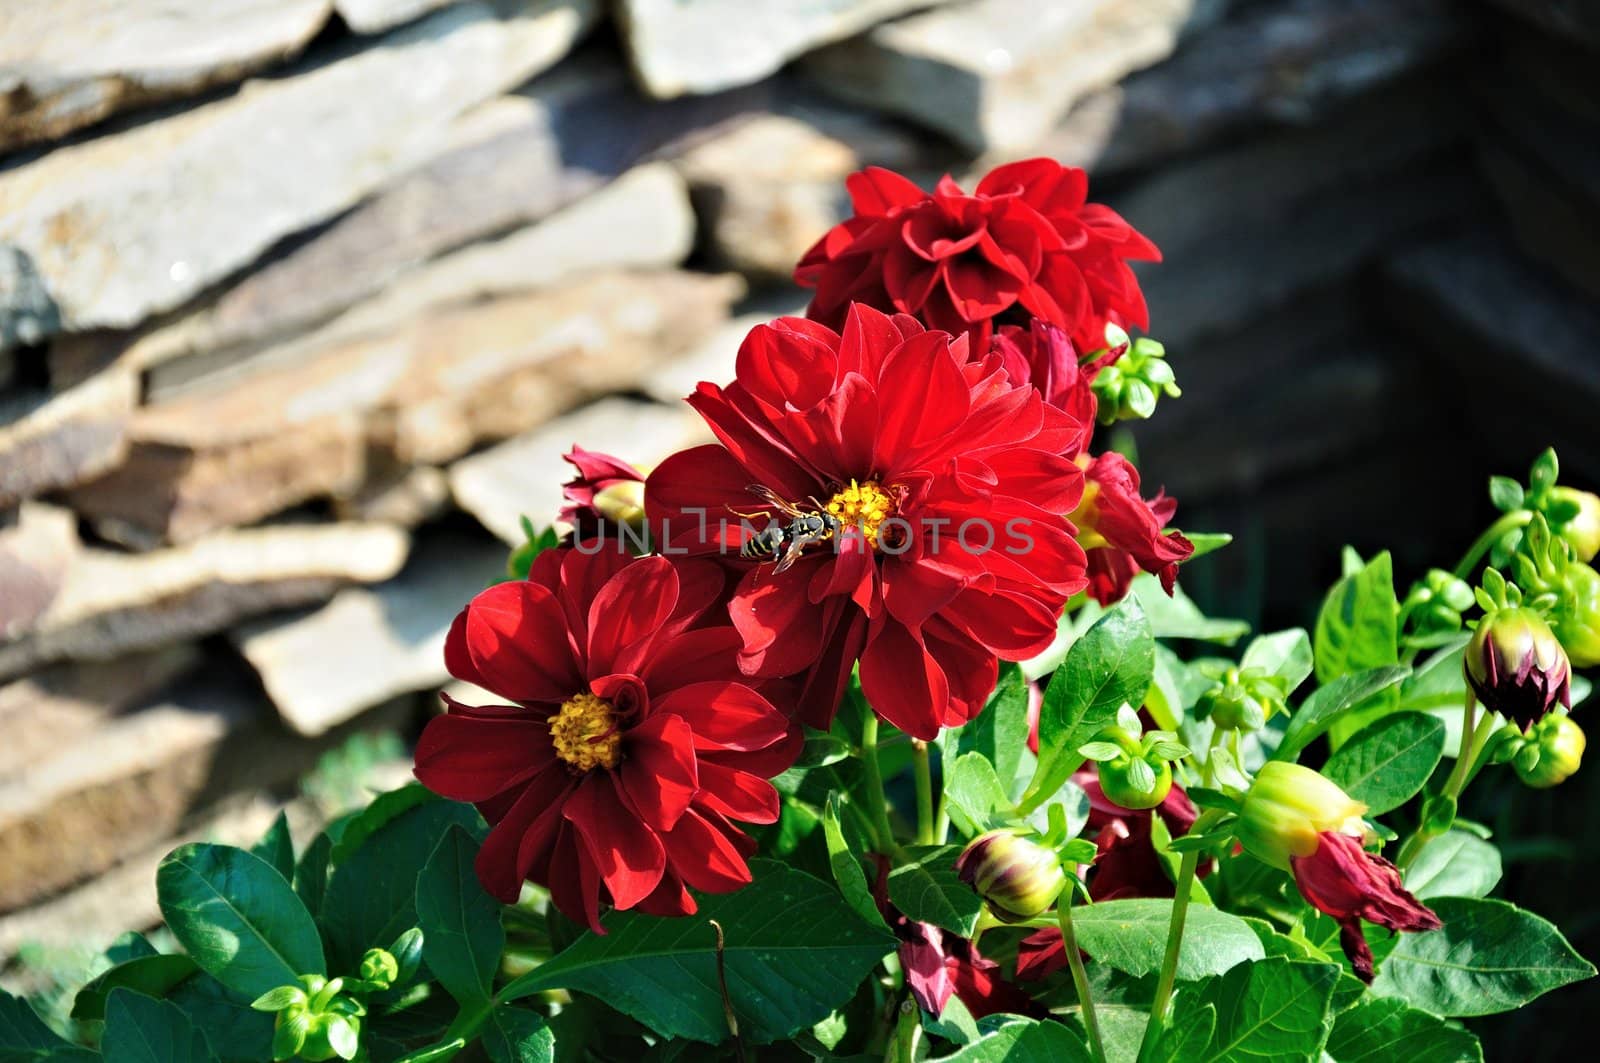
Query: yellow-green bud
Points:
[1582, 532]
[1516, 666]
[380, 968]
[1559, 745]
[622, 503]
[1577, 615]
[1019, 877]
[1287, 807]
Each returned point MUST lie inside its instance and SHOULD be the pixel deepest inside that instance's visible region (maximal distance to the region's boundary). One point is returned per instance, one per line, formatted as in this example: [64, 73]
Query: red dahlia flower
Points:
[1122, 532]
[607, 490]
[632, 744]
[1043, 356]
[1024, 244]
[945, 482]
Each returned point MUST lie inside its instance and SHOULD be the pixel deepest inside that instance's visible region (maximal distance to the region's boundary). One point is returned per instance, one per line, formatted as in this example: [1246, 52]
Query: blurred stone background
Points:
[301, 301]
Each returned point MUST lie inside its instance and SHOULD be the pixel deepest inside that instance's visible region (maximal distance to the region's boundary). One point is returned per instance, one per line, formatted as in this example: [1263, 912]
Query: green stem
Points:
[1080, 978]
[1169, 962]
[875, 799]
[1457, 781]
[908, 1033]
[1517, 518]
[924, 773]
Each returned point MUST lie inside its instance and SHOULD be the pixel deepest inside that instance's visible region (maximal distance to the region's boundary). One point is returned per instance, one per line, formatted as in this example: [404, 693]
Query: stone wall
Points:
[300, 303]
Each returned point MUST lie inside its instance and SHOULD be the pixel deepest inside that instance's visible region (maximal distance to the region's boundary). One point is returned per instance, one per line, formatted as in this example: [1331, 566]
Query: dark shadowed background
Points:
[301, 301]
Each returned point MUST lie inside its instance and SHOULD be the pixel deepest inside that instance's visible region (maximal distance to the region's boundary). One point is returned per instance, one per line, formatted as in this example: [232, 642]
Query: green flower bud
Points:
[1019, 877]
[1436, 603]
[1516, 666]
[1135, 782]
[1582, 532]
[289, 1031]
[380, 968]
[331, 1036]
[1244, 699]
[1287, 807]
[1577, 615]
[1557, 746]
[1128, 388]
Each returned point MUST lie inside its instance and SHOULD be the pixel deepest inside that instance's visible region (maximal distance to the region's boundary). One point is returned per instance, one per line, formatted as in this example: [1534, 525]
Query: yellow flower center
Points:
[585, 733]
[864, 506]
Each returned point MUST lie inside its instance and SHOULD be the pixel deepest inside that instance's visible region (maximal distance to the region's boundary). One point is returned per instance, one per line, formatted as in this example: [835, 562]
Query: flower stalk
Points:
[1080, 978]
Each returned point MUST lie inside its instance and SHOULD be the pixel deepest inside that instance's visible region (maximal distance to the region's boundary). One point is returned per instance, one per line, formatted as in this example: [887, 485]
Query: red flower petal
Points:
[705, 856]
[518, 645]
[736, 794]
[658, 770]
[628, 610]
[469, 758]
[628, 855]
[725, 715]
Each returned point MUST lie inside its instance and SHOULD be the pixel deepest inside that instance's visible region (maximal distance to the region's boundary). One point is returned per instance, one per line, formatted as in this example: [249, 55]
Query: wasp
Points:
[786, 541]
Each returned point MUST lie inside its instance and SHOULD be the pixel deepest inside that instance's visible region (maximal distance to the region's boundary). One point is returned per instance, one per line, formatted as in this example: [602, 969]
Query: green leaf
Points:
[237, 917]
[436, 1053]
[515, 1035]
[372, 896]
[1110, 666]
[1000, 732]
[1285, 654]
[1131, 935]
[928, 891]
[1187, 1037]
[276, 847]
[976, 799]
[1490, 956]
[1455, 864]
[1379, 1030]
[1207, 542]
[311, 873]
[141, 1029]
[129, 946]
[384, 809]
[1328, 703]
[237, 1033]
[1272, 1010]
[461, 933]
[783, 976]
[847, 867]
[1024, 1041]
[1387, 763]
[154, 976]
[1357, 627]
[1175, 616]
[1505, 493]
[24, 1038]
[1100, 751]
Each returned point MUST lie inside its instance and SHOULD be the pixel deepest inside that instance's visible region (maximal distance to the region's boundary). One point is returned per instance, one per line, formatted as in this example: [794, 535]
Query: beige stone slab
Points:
[113, 603]
[370, 644]
[38, 544]
[51, 440]
[997, 74]
[103, 226]
[707, 45]
[523, 476]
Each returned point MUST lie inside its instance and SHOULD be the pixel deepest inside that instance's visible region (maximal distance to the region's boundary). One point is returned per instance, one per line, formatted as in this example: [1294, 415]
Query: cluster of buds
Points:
[1134, 768]
[1128, 387]
[1436, 604]
[319, 1018]
[1242, 699]
[1548, 754]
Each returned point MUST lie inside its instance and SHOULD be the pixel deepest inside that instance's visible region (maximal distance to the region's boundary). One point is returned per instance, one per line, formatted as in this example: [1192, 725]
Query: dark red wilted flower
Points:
[1345, 881]
[1126, 864]
[948, 484]
[1122, 532]
[631, 745]
[1024, 244]
[606, 491]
